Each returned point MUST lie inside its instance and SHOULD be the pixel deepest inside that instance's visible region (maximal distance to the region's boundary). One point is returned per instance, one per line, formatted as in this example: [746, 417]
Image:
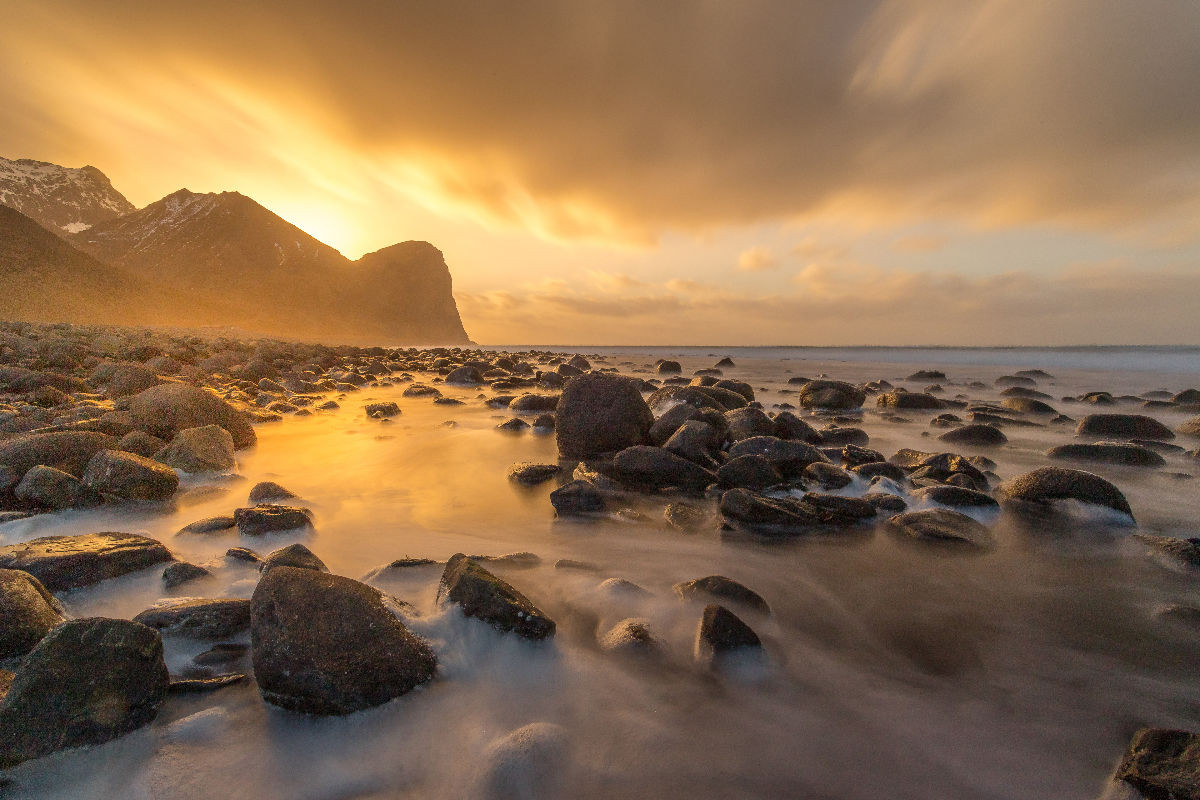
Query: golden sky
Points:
[994, 171]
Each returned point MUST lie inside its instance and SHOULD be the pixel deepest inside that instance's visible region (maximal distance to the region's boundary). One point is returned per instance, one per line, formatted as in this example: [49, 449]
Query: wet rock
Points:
[853, 455]
[725, 589]
[666, 367]
[87, 682]
[198, 618]
[834, 510]
[208, 525]
[788, 456]
[382, 410]
[180, 572]
[514, 425]
[834, 395]
[1189, 428]
[747, 422]
[885, 502]
[324, 644]
[27, 612]
[224, 653]
[1183, 552]
[268, 491]
[532, 403]
[1119, 453]
[768, 514]
[880, 468]
[835, 436]
[577, 497]
[529, 474]
[269, 518]
[787, 425]
[69, 451]
[631, 636]
[140, 443]
[201, 685]
[599, 414]
[117, 476]
[527, 763]
[68, 562]
[827, 476]
[722, 632]
[644, 466]
[421, 390]
[663, 400]
[670, 421]
[1162, 764]
[1048, 484]
[206, 449]
[243, 554]
[697, 441]
[750, 471]
[685, 517]
[293, 555]
[47, 487]
[975, 436]
[622, 588]
[926, 375]
[484, 596]
[544, 423]
[464, 376]
[124, 380]
[941, 526]
[909, 400]
[955, 496]
[1027, 405]
[166, 409]
[1123, 426]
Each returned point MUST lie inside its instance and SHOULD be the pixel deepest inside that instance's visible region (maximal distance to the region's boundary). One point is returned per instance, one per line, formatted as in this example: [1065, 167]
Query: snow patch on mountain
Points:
[60, 198]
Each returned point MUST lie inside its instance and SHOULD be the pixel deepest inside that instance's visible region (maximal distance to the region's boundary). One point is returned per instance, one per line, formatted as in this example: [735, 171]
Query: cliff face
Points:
[206, 259]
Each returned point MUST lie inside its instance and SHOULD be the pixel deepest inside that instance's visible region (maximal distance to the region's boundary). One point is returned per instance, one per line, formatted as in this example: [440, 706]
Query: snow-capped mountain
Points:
[62, 199]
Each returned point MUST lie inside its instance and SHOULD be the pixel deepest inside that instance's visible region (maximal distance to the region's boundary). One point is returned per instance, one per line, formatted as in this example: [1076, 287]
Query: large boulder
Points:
[915, 401]
[293, 555]
[788, 456]
[599, 414]
[47, 487]
[27, 612]
[68, 562]
[1048, 484]
[198, 617]
[325, 644]
[484, 596]
[69, 451]
[649, 467]
[87, 682]
[1162, 764]
[168, 408]
[529, 762]
[124, 380]
[1123, 426]
[721, 633]
[115, 475]
[578, 497]
[1120, 453]
[205, 449]
[831, 395]
[976, 435]
[941, 526]
[722, 588]
[270, 518]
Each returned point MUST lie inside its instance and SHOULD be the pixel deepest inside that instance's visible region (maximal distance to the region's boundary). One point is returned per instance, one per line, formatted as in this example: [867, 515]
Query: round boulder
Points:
[600, 413]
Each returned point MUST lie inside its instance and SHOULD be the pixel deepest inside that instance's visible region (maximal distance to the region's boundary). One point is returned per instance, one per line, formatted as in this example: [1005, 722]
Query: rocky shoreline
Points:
[93, 417]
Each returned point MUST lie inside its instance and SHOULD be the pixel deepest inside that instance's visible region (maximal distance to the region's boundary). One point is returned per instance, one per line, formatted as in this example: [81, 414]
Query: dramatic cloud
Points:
[620, 120]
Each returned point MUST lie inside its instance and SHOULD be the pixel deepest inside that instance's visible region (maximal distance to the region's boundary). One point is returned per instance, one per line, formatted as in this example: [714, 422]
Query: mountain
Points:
[270, 276]
[45, 279]
[62, 199]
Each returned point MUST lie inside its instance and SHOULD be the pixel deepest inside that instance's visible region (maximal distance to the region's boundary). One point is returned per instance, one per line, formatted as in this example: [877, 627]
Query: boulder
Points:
[831, 395]
[1027, 405]
[325, 644]
[747, 422]
[915, 401]
[115, 475]
[941, 526]
[464, 376]
[750, 471]
[205, 449]
[697, 441]
[1118, 453]
[528, 474]
[827, 476]
[1162, 764]
[1189, 428]
[69, 451]
[47, 487]
[1123, 426]
[208, 525]
[140, 443]
[577, 497]
[787, 425]
[180, 572]
[975, 436]
[124, 380]
[198, 618]
[382, 410]
[599, 414]
[27, 612]
[529, 762]
[644, 466]
[722, 632]
[630, 636]
[788, 456]
[68, 562]
[87, 682]
[955, 496]
[533, 403]
[293, 555]
[269, 518]
[268, 491]
[168, 408]
[484, 596]
[1048, 484]
[725, 589]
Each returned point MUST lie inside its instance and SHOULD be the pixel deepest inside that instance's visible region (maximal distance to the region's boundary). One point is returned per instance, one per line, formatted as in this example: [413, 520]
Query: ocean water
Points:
[889, 671]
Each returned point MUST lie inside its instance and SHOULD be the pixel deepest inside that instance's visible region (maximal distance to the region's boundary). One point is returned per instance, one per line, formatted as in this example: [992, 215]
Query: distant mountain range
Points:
[72, 248]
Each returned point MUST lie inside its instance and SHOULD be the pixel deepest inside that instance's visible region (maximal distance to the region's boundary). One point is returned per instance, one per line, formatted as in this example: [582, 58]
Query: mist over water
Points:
[890, 671]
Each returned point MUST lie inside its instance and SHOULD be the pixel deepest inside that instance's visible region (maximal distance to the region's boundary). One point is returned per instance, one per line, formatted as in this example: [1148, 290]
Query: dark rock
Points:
[955, 496]
[925, 375]
[1120, 453]
[787, 425]
[382, 410]
[421, 390]
[1184, 552]
[788, 456]
[268, 518]
[836, 436]
[1123, 426]
[827, 476]
[27, 612]
[464, 376]
[747, 422]
[671, 420]
[47, 487]
[87, 682]
[68, 562]
[758, 511]
[1027, 405]
[886, 503]
[909, 400]
[268, 491]
[663, 400]
[180, 572]
[880, 468]
[208, 525]
[293, 555]
[826, 394]
[723, 588]
[200, 685]
[243, 554]
[655, 468]
[166, 409]
[1048, 484]
[140, 443]
[577, 497]
[601, 414]
[224, 653]
[198, 618]
[853, 455]
[484, 596]
[324, 644]
[941, 526]
[514, 425]
[975, 436]
[750, 471]
[115, 475]
[532, 474]
[668, 367]
[205, 449]
[69, 451]
[533, 403]
[721, 632]
[1162, 764]
[697, 441]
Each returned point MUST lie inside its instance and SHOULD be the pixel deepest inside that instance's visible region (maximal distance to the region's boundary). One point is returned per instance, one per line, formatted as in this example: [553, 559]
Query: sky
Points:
[988, 172]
